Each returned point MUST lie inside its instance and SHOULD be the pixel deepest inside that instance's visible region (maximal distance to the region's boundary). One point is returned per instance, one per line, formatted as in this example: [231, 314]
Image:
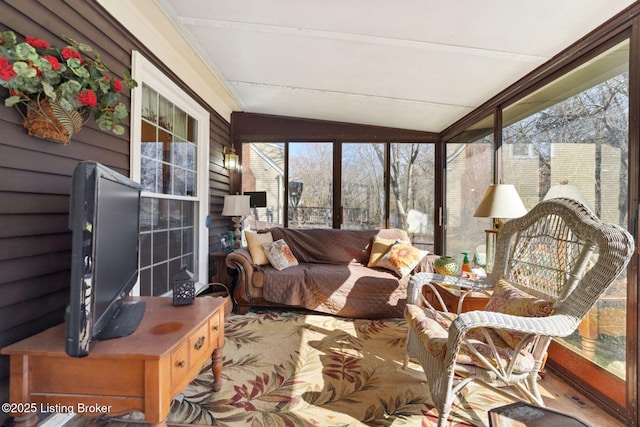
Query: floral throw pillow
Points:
[401, 258]
[279, 254]
[510, 300]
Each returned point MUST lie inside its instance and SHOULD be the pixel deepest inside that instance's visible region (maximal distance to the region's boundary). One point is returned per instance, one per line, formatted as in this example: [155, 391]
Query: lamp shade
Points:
[500, 201]
[236, 205]
[564, 189]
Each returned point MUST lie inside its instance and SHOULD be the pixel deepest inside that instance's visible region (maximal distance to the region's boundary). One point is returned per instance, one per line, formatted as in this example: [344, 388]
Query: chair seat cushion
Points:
[432, 327]
[507, 299]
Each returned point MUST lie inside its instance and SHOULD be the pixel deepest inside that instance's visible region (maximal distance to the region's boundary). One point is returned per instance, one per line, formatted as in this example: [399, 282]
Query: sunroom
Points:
[334, 155]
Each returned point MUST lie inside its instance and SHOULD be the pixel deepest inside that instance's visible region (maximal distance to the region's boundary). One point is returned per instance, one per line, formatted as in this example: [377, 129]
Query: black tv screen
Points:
[257, 199]
[104, 221]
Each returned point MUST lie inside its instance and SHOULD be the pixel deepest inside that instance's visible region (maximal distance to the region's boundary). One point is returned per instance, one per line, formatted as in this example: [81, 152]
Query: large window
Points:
[469, 171]
[170, 153]
[365, 200]
[571, 139]
[411, 192]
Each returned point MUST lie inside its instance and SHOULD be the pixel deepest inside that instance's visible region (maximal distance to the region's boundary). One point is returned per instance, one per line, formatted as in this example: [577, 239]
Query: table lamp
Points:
[236, 206]
[499, 201]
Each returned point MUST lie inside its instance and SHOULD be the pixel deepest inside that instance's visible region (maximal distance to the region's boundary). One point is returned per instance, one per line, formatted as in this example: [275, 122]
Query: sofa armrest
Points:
[240, 259]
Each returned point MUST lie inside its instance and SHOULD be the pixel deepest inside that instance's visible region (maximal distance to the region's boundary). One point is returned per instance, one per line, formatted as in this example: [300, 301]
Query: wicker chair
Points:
[558, 254]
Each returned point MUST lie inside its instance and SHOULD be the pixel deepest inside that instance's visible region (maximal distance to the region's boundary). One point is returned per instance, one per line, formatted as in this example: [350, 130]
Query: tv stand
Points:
[140, 372]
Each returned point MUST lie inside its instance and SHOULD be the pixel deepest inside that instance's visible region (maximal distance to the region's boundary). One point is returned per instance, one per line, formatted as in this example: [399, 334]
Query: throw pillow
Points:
[379, 247]
[279, 254]
[510, 300]
[254, 243]
[401, 258]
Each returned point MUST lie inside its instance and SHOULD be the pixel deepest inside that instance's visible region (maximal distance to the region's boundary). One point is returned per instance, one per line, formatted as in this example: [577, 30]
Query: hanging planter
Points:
[58, 90]
[46, 119]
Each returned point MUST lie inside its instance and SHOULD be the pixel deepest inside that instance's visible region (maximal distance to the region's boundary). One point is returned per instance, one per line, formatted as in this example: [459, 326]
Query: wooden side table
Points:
[223, 274]
[451, 298]
[139, 372]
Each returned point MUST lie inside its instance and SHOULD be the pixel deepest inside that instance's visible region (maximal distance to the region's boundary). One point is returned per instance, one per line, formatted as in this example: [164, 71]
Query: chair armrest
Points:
[555, 325]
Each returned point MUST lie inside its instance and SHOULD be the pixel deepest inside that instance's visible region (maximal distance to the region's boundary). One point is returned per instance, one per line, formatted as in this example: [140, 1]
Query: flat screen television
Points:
[104, 220]
[257, 199]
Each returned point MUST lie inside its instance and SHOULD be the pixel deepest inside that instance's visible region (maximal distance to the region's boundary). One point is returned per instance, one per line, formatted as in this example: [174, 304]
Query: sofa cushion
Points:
[254, 243]
[379, 247]
[401, 258]
[279, 254]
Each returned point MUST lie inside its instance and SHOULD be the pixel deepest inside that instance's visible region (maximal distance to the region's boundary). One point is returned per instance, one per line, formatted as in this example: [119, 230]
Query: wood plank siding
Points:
[35, 175]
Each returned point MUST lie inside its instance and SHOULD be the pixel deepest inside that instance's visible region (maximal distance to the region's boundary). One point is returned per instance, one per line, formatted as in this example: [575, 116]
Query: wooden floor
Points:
[557, 395]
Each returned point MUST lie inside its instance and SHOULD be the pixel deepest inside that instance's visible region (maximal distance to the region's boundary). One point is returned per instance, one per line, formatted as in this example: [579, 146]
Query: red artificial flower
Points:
[106, 77]
[37, 43]
[53, 61]
[6, 69]
[87, 98]
[117, 85]
[70, 53]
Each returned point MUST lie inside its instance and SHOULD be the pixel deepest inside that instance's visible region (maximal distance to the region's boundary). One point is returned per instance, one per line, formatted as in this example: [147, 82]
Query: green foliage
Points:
[71, 76]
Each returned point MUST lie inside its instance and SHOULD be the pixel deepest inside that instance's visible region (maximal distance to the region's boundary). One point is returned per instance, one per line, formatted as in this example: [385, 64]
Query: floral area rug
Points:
[297, 369]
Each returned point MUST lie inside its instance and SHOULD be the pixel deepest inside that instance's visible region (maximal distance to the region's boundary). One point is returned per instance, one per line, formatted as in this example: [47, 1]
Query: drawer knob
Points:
[199, 343]
[181, 364]
[216, 327]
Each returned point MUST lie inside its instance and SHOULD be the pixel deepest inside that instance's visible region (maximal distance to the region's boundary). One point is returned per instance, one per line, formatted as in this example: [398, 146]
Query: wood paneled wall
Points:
[35, 175]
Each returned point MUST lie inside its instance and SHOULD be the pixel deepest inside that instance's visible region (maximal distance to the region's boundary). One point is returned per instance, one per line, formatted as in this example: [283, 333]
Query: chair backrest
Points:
[562, 252]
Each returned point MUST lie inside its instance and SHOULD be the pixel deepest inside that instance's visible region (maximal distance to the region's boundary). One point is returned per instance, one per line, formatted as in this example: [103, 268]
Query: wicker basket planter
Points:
[46, 119]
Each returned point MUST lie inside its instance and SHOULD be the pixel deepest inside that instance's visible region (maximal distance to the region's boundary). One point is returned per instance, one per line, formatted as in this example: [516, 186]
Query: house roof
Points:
[411, 64]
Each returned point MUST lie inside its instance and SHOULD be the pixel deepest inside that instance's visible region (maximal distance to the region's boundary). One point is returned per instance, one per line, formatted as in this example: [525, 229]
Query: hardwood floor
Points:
[557, 395]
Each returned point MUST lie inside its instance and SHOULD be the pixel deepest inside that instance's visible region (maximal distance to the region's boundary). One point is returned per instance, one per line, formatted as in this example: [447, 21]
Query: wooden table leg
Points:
[26, 420]
[216, 367]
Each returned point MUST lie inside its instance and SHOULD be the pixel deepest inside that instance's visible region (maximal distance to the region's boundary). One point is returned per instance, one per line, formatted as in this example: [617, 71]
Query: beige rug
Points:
[296, 369]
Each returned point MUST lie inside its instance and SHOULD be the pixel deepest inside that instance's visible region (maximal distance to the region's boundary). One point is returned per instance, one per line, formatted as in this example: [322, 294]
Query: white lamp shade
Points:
[236, 205]
[564, 189]
[500, 201]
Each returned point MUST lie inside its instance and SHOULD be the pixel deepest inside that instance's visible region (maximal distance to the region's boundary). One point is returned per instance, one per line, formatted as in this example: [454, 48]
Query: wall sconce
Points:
[231, 160]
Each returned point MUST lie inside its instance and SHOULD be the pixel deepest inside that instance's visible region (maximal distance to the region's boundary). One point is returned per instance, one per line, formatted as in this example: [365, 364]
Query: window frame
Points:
[143, 71]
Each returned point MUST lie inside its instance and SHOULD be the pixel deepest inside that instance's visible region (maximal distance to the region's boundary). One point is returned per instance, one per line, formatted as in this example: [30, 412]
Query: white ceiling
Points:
[412, 64]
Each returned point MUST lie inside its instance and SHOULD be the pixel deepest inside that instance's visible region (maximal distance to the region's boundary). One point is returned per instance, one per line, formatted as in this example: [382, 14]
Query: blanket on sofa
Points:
[333, 277]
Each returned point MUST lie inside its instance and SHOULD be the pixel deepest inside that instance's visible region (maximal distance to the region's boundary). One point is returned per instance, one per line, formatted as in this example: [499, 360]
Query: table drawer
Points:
[199, 347]
[179, 367]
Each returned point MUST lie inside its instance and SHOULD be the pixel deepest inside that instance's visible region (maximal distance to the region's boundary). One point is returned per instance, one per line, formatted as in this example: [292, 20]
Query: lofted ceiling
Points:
[412, 64]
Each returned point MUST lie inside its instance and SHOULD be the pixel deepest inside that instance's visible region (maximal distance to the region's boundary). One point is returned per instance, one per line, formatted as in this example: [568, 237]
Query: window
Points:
[365, 200]
[577, 131]
[469, 171]
[170, 151]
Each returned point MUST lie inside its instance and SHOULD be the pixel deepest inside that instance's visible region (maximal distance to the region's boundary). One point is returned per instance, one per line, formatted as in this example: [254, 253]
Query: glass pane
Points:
[412, 196]
[571, 139]
[167, 242]
[310, 185]
[469, 169]
[168, 167]
[363, 204]
[263, 170]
